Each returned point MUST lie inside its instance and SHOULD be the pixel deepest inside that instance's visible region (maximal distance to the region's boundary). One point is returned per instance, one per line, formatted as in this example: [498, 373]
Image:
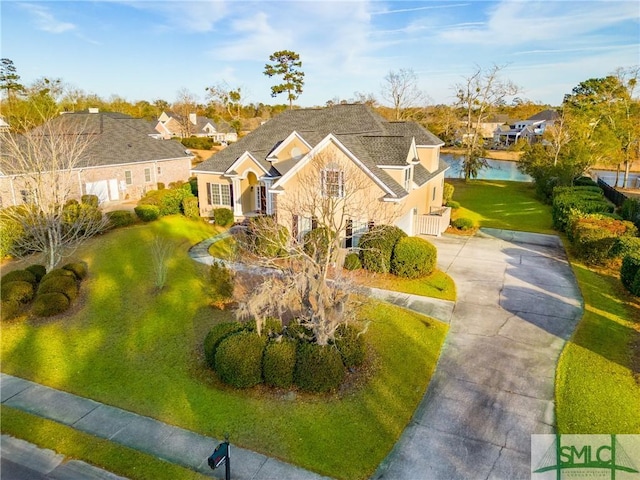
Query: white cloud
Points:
[187, 16]
[45, 20]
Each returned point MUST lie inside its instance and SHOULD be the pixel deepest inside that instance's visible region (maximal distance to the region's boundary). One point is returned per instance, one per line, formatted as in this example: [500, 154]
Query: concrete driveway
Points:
[518, 302]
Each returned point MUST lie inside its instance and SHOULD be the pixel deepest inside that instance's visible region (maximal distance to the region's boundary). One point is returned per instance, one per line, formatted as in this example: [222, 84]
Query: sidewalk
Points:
[173, 444]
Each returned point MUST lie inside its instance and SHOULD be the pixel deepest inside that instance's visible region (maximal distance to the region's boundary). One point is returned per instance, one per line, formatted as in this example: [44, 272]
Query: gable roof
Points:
[374, 141]
[546, 115]
[115, 139]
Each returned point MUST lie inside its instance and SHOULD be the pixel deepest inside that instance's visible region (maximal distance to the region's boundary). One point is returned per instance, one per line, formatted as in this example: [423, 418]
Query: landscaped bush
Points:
[198, 143]
[120, 218]
[594, 236]
[629, 272]
[10, 231]
[352, 261]
[60, 284]
[462, 223]
[147, 213]
[153, 197]
[221, 283]
[223, 216]
[453, 204]
[413, 257]
[58, 272]
[630, 210]
[624, 246]
[79, 269]
[238, 359]
[570, 201]
[298, 332]
[315, 243]
[91, 200]
[171, 202]
[265, 237]
[49, 304]
[377, 247]
[447, 192]
[20, 276]
[218, 333]
[272, 327]
[190, 207]
[17, 291]
[584, 182]
[9, 309]
[279, 362]
[39, 271]
[319, 368]
[350, 343]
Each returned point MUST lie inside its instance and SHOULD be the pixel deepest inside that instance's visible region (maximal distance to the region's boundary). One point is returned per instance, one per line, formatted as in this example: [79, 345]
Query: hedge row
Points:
[282, 358]
[178, 199]
[570, 201]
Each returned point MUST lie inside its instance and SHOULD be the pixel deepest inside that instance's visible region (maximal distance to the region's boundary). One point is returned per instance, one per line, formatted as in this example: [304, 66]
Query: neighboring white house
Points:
[171, 124]
[530, 129]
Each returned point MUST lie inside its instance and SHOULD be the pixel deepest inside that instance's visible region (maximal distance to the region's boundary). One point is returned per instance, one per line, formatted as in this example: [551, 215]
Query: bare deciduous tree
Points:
[401, 90]
[478, 95]
[335, 196]
[185, 105]
[42, 166]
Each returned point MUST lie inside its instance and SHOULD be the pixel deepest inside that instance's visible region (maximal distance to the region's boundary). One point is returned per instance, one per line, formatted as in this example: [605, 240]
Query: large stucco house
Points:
[347, 153]
[121, 161]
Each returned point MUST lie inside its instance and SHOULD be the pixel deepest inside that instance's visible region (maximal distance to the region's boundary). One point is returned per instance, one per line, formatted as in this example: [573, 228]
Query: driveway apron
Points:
[518, 303]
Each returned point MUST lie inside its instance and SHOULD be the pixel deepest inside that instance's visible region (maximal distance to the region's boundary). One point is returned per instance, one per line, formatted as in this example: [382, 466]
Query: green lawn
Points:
[502, 204]
[597, 390]
[127, 345]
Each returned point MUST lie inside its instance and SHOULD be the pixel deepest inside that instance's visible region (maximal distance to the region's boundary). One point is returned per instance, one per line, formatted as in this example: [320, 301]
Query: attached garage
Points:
[105, 190]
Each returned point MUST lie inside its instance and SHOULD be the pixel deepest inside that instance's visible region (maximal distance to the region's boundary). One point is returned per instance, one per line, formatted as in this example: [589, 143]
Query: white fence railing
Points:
[435, 223]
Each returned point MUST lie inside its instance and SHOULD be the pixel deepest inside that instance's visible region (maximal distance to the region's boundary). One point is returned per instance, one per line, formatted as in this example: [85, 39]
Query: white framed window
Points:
[147, 175]
[219, 194]
[332, 183]
[128, 179]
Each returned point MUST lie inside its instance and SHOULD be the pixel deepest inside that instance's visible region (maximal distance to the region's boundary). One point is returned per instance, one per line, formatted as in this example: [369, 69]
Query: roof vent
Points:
[94, 110]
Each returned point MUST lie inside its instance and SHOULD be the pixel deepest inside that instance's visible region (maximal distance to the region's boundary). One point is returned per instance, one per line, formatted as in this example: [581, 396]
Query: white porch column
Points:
[237, 197]
[267, 186]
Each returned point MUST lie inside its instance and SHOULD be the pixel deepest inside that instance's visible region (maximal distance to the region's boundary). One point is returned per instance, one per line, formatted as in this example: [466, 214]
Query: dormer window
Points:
[332, 180]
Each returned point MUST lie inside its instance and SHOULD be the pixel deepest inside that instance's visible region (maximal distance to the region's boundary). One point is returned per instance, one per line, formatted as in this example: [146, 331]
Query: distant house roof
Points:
[374, 141]
[546, 115]
[114, 139]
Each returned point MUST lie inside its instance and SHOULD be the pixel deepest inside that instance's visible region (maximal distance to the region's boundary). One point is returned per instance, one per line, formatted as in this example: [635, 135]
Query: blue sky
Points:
[145, 50]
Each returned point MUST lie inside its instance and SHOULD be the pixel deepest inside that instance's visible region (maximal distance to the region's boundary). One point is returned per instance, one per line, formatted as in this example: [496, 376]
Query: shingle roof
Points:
[116, 139]
[373, 140]
[547, 115]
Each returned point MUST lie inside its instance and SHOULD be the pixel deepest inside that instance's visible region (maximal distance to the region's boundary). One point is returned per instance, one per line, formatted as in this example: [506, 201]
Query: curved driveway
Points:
[518, 302]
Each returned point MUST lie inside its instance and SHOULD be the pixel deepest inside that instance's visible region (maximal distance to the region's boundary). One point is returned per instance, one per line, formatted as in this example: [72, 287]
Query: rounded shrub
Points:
[594, 236]
[147, 213]
[20, 276]
[223, 216]
[350, 343]
[120, 218]
[413, 257]
[190, 207]
[629, 270]
[315, 243]
[79, 269]
[319, 368]
[58, 272]
[352, 261]
[171, 201]
[218, 333]
[272, 327]
[623, 246]
[9, 309]
[49, 304]
[238, 359]
[279, 362]
[39, 271]
[91, 200]
[462, 223]
[376, 247]
[453, 204]
[60, 284]
[17, 291]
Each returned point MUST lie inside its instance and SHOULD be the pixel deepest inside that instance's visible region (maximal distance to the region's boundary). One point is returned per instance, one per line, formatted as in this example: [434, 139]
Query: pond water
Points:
[498, 169]
[609, 177]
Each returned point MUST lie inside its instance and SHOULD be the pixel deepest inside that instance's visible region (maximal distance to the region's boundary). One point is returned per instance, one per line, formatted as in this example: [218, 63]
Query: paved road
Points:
[518, 302]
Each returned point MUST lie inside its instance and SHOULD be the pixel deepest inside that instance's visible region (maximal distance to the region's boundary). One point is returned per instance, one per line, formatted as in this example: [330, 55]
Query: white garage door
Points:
[105, 190]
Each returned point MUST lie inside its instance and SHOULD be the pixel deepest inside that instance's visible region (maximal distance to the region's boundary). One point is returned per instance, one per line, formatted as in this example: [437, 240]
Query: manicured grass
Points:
[501, 204]
[78, 445]
[597, 389]
[130, 346]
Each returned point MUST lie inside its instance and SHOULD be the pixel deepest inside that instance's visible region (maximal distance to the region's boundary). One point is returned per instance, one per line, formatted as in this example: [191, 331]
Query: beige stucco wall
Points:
[429, 157]
[286, 151]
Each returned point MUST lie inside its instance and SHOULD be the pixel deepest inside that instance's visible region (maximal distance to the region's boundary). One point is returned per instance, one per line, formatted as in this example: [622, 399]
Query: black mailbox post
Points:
[221, 456]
